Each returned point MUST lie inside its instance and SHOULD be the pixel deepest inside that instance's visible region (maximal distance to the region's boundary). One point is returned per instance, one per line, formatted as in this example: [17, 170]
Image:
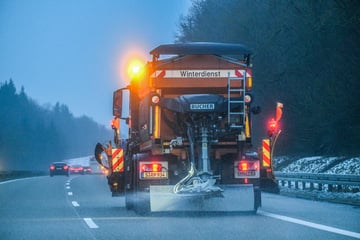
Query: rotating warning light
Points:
[136, 69]
[272, 127]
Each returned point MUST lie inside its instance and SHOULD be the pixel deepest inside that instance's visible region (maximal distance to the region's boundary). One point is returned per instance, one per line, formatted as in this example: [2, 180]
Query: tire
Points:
[257, 199]
[129, 199]
[142, 203]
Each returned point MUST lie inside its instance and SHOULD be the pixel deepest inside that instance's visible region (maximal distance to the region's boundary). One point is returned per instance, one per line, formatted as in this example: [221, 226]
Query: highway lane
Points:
[81, 207]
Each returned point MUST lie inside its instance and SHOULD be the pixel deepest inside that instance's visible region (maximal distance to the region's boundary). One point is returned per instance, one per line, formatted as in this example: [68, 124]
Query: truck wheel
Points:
[129, 199]
[142, 203]
[257, 200]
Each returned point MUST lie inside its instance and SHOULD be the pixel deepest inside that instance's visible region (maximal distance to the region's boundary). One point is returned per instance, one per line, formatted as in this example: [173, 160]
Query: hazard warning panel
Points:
[266, 152]
[117, 160]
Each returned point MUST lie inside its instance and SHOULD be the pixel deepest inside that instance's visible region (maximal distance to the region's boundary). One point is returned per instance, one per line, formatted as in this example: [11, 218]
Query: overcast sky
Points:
[74, 51]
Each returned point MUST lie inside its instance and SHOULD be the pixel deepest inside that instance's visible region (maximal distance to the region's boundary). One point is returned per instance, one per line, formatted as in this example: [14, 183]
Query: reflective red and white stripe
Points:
[117, 160]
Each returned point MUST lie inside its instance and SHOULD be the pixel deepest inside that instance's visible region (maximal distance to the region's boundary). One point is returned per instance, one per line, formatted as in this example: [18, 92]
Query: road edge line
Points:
[311, 224]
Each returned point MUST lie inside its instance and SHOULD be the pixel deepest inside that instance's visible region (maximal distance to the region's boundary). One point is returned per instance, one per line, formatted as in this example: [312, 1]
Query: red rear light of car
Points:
[66, 167]
[52, 167]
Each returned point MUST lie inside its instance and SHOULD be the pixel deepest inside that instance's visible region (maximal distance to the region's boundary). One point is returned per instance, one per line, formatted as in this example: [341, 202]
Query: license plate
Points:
[247, 173]
[154, 175]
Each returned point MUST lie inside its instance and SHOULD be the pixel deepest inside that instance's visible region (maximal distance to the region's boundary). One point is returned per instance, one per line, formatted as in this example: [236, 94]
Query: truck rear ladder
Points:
[236, 105]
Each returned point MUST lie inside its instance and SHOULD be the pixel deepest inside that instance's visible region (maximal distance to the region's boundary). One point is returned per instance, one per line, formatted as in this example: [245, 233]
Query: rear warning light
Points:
[247, 169]
[66, 167]
[52, 167]
[245, 165]
[153, 170]
[151, 167]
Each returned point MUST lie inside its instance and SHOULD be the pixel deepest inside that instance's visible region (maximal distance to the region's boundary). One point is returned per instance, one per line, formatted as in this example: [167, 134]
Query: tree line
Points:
[306, 55]
[31, 136]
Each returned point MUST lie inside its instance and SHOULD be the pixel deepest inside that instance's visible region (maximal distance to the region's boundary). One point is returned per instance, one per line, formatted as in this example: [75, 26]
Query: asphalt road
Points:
[81, 207]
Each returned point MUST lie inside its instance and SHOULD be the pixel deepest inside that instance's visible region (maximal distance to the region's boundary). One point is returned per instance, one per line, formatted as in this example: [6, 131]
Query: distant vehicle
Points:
[59, 168]
[77, 169]
[87, 170]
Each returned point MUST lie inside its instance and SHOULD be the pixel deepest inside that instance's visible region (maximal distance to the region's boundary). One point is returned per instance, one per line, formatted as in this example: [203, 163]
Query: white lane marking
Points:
[68, 187]
[70, 193]
[75, 204]
[311, 224]
[90, 223]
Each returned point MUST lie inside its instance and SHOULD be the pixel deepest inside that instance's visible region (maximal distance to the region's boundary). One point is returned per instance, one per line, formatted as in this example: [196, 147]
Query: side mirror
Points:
[117, 103]
[101, 155]
[121, 103]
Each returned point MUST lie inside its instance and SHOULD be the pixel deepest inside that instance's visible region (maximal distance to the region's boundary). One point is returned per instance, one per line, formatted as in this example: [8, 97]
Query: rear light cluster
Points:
[153, 170]
[247, 169]
[65, 167]
[151, 167]
[245, 165]
[76, 168]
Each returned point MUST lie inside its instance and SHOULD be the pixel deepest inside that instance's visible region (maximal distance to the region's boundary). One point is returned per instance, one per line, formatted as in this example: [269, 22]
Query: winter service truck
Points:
[188, 146]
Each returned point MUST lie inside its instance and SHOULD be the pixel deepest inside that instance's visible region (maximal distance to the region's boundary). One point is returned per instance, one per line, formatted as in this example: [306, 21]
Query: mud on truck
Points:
[189, 142]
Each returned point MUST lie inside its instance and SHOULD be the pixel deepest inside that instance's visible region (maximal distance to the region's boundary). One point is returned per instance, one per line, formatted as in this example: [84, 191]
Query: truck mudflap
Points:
[233, 198]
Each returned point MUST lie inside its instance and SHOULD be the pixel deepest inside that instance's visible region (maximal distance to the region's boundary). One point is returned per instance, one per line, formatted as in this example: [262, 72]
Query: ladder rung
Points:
[239, 113]
[236, 101]
[236, 90]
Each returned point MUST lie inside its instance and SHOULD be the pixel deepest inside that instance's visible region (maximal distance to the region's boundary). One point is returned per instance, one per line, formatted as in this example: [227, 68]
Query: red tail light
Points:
[151, 167]
[66, 167]
[245, 165]
[52, 167]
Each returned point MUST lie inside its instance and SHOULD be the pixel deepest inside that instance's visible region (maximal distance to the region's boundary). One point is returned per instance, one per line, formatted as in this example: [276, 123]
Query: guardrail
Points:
[319, 181]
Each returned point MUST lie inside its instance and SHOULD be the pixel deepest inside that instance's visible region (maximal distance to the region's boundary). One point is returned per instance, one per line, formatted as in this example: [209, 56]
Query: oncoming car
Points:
[59, 168]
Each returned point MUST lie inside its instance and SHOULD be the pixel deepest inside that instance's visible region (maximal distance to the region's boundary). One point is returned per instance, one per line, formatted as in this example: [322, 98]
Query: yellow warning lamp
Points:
[136, 69]
[249, 80]
[249, 83]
